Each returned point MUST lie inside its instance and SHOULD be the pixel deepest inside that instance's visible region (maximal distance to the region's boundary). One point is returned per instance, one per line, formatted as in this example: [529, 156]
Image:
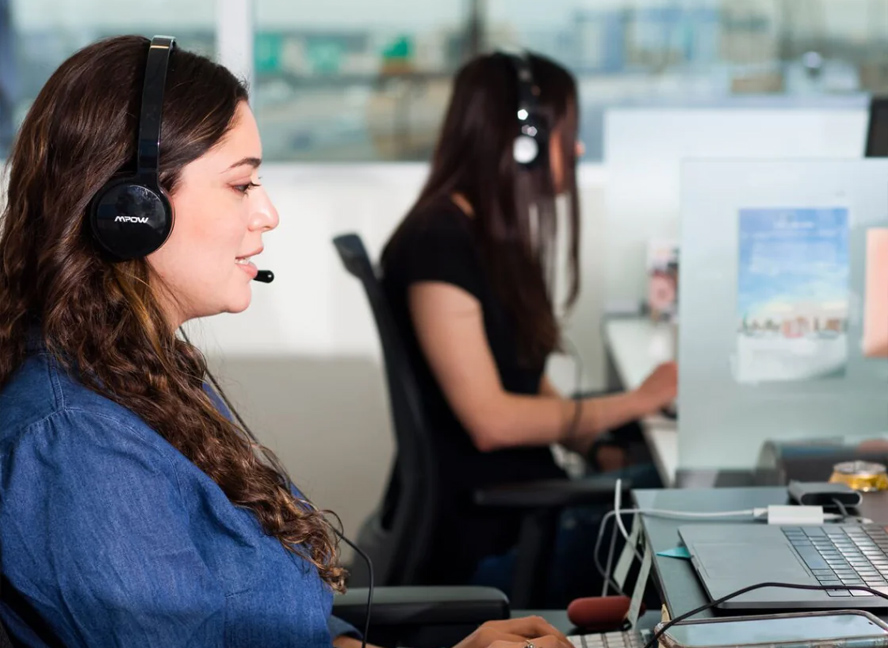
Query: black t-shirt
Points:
[440, 243]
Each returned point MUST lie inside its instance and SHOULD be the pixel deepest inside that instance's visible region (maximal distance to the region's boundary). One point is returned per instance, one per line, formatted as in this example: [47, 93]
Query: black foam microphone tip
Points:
[265, 276]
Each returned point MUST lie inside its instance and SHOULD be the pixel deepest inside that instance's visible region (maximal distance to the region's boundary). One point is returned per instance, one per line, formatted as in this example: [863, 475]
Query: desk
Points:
[635, 346]
[677, 581]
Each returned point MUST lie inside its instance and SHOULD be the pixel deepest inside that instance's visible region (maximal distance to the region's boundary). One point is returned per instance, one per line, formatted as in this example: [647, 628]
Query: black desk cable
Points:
[813, 588]
[338, 533]
[369, 589]
[656, 637]
[842, 508]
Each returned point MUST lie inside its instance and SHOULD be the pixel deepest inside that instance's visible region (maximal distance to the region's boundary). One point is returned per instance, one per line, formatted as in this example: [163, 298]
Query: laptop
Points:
[729, 557]
[627, 639]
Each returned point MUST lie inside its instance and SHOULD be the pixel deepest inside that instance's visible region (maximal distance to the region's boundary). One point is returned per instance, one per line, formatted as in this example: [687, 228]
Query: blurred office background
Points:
[369, 80]
[349, 95]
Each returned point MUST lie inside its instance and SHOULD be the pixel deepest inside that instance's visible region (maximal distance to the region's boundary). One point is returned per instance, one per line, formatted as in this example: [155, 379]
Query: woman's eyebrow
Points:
[252, 161]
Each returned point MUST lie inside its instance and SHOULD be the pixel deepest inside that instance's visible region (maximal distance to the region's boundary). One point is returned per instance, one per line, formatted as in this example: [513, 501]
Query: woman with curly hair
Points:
[133, 510]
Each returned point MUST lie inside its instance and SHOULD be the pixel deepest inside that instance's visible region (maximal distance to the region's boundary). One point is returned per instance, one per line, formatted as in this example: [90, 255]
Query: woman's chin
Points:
[241, 302]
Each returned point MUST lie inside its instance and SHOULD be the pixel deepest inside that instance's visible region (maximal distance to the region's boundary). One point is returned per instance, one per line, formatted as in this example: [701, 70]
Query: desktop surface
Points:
[635, 346]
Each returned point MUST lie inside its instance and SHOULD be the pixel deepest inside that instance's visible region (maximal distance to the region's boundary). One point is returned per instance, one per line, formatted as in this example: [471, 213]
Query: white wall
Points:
[303, 363]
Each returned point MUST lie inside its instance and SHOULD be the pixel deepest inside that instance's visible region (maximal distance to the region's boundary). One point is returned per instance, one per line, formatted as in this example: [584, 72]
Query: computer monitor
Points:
[877, 133]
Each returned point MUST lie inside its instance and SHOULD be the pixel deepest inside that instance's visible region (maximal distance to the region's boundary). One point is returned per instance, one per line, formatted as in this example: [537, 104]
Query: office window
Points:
[37, 35]
[368, 80]
[342, 80]
[350, 80]
[707, 53]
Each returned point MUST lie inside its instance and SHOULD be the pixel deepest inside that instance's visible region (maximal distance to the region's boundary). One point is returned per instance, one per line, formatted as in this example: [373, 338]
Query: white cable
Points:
[617, 513]
[606, 570]
[618, 496]
[666, 513]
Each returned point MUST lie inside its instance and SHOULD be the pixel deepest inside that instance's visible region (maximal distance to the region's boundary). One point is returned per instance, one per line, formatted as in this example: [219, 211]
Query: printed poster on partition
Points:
[792, 295]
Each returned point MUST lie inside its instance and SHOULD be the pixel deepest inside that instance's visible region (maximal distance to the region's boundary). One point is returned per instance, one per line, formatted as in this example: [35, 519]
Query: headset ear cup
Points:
[130, 220]
[525, 149]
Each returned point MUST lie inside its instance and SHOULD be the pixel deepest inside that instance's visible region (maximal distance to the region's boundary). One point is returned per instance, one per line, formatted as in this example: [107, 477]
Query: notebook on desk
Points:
[729, 557]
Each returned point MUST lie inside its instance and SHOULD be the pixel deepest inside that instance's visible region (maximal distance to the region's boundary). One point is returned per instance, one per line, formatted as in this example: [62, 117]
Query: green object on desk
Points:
[678, 552]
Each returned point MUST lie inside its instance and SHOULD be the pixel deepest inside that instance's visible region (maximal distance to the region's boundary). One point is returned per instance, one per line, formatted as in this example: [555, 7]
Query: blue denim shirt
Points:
[109, 536]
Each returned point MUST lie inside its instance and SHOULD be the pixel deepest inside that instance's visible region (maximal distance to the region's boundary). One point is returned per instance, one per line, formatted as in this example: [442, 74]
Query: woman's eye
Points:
[244, 188]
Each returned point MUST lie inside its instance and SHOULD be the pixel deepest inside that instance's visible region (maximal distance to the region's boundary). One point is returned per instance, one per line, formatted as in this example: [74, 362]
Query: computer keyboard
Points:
[844, 555]
[628, 639]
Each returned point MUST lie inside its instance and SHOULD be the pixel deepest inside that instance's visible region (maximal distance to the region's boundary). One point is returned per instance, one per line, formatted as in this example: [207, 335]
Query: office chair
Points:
[398, 535]
[5, 642]
[422, 617]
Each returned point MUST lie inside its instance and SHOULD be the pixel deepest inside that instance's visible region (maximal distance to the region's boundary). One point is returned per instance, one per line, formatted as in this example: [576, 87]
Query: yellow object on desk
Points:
[665, 618]
[862, 476]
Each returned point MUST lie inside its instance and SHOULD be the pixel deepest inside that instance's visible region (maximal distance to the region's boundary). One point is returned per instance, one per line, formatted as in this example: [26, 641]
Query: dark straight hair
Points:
[515, 207]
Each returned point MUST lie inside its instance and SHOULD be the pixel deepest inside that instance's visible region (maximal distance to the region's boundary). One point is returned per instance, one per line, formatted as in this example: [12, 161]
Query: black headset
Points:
[132, 216]
[531, 144]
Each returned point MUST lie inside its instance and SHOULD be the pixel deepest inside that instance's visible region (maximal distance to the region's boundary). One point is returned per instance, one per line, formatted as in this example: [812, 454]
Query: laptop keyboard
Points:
[629, 639]
[844, 555]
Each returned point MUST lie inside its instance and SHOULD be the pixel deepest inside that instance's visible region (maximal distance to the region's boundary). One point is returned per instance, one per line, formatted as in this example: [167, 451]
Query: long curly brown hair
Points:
[101, 320]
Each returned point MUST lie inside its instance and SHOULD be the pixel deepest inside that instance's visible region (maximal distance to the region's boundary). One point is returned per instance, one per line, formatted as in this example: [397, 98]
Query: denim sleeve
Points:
[335, 625]
[96, 539]
[338, 628]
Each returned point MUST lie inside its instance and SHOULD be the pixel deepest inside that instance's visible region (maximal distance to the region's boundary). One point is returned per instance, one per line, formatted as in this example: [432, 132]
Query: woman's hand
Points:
[660, 388]
[516, 633]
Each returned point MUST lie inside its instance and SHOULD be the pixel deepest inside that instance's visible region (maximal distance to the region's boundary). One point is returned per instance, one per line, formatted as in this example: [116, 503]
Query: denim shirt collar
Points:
[34, 341]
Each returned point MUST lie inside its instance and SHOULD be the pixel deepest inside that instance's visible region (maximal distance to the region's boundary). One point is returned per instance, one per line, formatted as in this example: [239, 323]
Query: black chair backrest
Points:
[411, 528]
[5, 642]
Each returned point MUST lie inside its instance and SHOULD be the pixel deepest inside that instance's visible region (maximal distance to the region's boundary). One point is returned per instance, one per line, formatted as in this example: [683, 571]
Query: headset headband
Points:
[131, 216]
[529, 146]
[527, 89]
[147, 158]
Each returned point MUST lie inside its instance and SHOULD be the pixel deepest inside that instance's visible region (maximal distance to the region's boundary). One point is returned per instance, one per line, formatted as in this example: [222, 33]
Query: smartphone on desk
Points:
[832, 629]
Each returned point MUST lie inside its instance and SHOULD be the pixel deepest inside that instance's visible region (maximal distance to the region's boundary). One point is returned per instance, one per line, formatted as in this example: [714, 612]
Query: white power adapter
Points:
[795, 515]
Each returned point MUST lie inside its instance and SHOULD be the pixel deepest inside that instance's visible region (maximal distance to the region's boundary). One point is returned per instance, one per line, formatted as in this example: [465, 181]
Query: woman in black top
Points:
[469, 276]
